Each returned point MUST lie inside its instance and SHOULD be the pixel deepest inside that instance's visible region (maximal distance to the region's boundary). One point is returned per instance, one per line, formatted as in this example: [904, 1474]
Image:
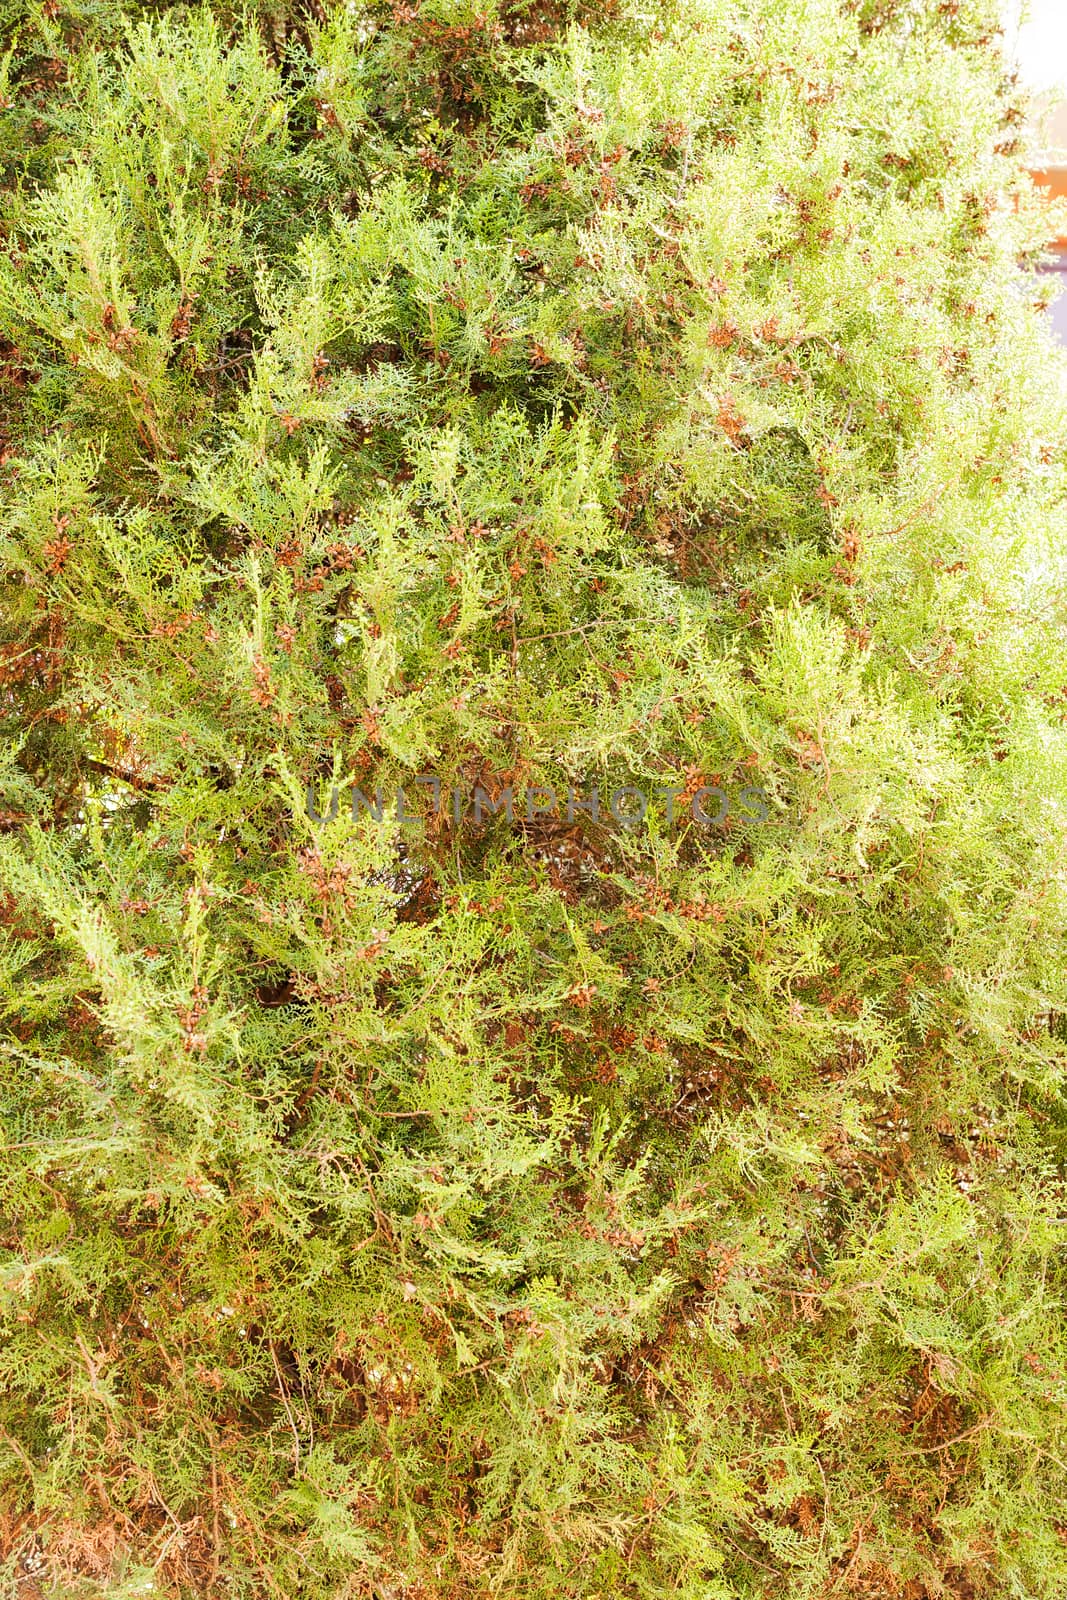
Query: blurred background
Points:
[1036, 39]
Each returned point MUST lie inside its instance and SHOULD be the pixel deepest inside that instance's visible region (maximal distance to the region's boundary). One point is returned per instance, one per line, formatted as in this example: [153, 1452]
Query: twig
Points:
[286, 1405]
[929, 1449]
[148, 785]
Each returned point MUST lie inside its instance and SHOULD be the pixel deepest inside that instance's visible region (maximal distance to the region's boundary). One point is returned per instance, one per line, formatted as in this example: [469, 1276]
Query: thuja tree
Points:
[553, 1201]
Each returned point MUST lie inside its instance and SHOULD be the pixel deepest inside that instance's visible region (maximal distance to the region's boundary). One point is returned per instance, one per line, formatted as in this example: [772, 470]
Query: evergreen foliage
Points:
[531, 393]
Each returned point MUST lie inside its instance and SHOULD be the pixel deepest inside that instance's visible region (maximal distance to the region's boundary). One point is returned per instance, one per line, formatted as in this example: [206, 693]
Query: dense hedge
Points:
[545, 395]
